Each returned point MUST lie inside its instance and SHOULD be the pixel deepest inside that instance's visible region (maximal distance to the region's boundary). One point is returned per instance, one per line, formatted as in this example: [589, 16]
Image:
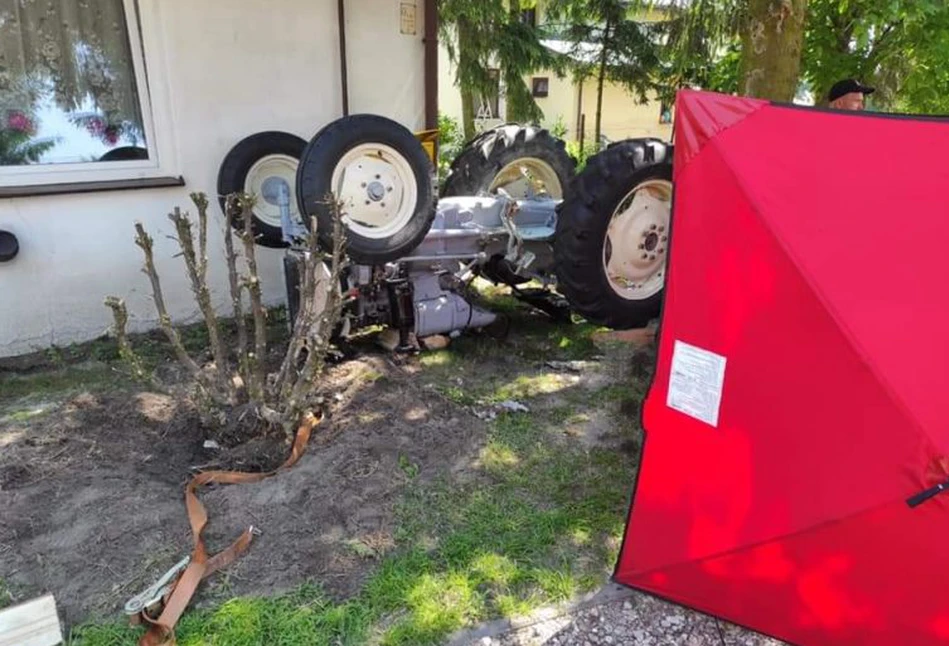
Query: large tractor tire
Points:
[381, 173]
[612, 235]
[521, 160]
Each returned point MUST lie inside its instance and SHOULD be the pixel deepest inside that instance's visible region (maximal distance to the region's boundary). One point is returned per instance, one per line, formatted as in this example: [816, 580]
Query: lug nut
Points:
[378, 176]
[662, 228]
[645, 256]
[664, 238]
[389, 189]
[382, 204]
[642, 246]
[662, 250]
[368, 202]
[364, 185]
[652, 227]
[652, 257]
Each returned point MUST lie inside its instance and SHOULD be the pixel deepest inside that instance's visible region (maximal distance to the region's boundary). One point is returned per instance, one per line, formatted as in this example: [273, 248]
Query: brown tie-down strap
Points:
[161, 631]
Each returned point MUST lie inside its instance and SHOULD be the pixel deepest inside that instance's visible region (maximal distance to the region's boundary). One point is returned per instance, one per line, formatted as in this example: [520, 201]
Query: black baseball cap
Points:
[846, 87]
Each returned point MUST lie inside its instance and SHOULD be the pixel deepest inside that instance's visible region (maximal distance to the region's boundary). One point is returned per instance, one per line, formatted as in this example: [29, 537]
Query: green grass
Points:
[534, 340]
[20, 393]
[537, 338]
[63, 372]
[540, 523]
[7, 598]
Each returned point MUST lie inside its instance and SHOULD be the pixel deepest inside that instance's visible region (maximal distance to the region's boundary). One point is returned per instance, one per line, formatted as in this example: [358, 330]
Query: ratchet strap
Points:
[161, 630]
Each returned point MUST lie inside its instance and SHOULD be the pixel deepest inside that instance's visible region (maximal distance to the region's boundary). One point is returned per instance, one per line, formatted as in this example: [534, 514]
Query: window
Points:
[529, 17]
[73, 97]
[540, 86]
[489, 105]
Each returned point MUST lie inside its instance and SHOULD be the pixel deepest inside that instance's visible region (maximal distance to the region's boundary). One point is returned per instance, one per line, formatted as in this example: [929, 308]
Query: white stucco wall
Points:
[386, 68]
[231, 68]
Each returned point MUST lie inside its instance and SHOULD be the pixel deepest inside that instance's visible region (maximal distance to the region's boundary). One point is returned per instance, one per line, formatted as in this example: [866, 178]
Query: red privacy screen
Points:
[797, 429]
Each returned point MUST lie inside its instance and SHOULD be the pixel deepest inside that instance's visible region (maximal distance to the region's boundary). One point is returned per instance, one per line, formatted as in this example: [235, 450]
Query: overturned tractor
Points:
[513, 210]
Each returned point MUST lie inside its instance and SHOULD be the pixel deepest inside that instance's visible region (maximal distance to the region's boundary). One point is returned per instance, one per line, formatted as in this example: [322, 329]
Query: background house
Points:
[564, 101]
[182, 81]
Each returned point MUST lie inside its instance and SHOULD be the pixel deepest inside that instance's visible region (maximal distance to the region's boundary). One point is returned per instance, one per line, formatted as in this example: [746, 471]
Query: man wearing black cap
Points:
[848, 94]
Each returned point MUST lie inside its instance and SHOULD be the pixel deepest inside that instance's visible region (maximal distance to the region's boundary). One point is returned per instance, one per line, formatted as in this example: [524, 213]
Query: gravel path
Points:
[617, 618]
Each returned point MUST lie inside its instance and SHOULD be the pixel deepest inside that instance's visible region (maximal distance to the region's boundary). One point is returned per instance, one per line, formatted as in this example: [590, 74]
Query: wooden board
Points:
[34, 623]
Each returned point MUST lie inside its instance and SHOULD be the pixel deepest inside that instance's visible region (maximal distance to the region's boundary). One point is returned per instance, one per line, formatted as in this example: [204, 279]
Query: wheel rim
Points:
[637, 241]
[527, 177]
[378, 189]
[264, 179]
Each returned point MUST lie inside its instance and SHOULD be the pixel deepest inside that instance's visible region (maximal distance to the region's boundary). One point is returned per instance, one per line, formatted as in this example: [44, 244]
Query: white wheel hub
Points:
[264, 179]
[378, 189]
[637, 241]
[526, 177]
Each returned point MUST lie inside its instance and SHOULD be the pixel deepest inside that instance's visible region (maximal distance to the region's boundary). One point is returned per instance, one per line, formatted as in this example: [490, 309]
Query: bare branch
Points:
[201, 203]
[145, 241]
[306, 319]
[256, 371]
[231, 207]
[120, 317]
[320, 335]
[199, 284]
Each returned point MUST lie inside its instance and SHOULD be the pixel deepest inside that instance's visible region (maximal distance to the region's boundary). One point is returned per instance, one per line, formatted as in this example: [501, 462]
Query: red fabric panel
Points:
[778, 516]
[860, 204]
[806, 432]
[700, 116]
[857, 583]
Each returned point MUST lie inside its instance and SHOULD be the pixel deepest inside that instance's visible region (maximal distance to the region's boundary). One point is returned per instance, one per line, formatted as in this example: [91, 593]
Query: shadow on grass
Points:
[538, 519]
[541, 524]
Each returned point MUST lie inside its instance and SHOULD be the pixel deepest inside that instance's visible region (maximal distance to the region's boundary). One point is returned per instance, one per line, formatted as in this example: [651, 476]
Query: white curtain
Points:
[71, 50]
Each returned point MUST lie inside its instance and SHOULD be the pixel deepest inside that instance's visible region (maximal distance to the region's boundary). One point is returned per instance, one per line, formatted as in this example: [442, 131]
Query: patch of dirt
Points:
[596, 428]
[92, 493]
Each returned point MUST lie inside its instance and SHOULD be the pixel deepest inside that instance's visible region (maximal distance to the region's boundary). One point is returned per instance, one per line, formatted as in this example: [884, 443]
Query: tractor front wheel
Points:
[381, 173]
[262, 164]
[612, 236]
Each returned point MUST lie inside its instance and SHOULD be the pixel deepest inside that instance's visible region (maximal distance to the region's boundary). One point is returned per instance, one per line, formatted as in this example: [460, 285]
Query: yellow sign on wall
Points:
[407, 18]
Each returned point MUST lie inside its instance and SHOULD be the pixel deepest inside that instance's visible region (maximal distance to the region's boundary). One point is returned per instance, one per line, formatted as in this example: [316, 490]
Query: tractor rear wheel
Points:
[521, 160]
[612, 236]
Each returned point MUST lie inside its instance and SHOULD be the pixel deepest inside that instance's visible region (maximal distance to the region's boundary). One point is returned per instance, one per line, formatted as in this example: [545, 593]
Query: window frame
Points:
[153, 97]
[493, 100]
[536, 82]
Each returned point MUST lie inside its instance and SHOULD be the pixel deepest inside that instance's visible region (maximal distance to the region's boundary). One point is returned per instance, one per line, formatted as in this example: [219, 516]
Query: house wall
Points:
[561, 102]
[449, 96]
[386, 68]
[624, 116]
[221, 70]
